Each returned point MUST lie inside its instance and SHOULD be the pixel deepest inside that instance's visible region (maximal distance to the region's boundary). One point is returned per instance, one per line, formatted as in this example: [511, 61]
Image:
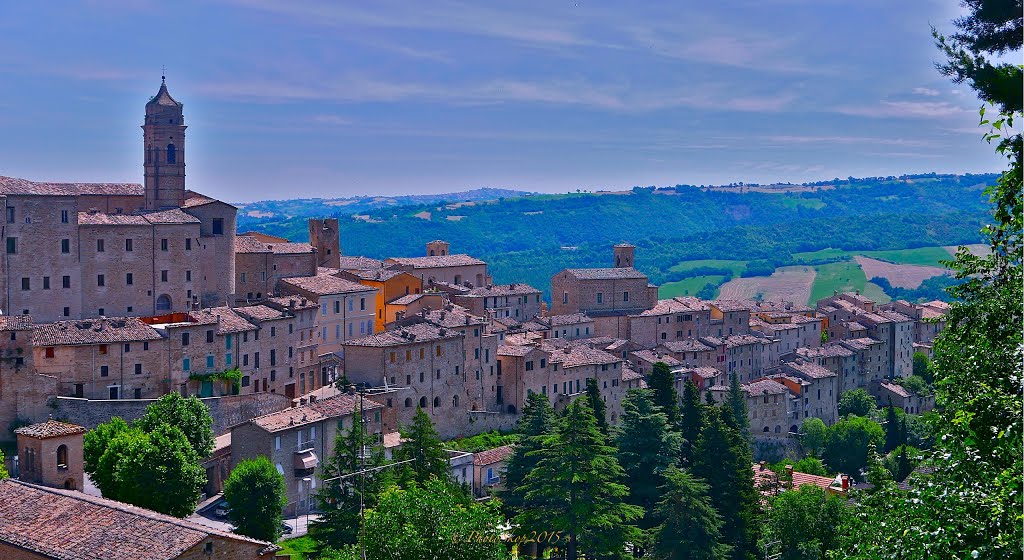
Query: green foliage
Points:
[434, 520]
[915, 384]
[895, 428]
[536, 422]
[422, 444]
[155, 461]
[663, 388]
[187, 413]
[597, 405]
[848, 443]
[812, 435]
[482, 442]
[3, 468]
[690, 528]
[234, 375]
[737, 404]
[807, 465]
[722, 458]
[576, 488]
[901, 461]
[856, 402]
[922, 367]
[691, 420]
[806, 522]
[646, 448]
[936, 287]
[257, 493]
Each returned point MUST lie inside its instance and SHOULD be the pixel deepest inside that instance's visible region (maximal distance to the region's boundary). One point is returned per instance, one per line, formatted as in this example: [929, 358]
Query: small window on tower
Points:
[171, 154]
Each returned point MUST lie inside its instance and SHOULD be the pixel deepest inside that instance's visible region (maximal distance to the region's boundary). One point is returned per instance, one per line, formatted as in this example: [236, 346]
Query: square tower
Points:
[51, 453]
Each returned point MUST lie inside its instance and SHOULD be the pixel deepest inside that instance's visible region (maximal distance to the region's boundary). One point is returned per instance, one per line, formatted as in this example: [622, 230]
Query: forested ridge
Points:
[530, 238]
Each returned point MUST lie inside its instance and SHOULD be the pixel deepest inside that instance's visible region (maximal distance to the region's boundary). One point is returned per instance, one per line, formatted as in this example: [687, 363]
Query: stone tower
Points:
[324, 235]
[51, 454]
[623, 255]
[163, 137]
[437, 248]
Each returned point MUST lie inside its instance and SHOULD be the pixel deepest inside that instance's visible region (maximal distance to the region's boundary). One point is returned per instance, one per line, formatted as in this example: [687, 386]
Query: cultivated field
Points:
[979, 249]
[899, 275]
[687, 286]
[843, 276]
[789, 283]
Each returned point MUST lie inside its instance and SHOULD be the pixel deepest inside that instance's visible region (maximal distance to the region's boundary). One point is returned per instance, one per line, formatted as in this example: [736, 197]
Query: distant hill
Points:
[529, 238]
[312, 207]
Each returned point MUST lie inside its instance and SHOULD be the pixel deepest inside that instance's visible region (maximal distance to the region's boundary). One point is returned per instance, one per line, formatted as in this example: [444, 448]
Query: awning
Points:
[305, 459]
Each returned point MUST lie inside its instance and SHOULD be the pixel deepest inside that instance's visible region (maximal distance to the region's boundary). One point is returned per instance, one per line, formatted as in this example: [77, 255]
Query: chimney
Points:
[291, 304]
[763, 465]
[857, 292]
[846, 482]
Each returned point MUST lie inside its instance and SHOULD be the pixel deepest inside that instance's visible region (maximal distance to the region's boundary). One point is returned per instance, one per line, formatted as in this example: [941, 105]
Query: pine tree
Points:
[576, 489]
[662, 384]
[646, 448]
[421, 443]
[691, 418]
[537, 422]
[723, 459]
[738, 406]
[690, 527]
[892, 429]
[597, 405]
[340, 499]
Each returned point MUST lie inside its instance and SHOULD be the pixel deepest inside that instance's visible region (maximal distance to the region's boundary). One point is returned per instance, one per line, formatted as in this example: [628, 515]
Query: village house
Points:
[390, 285]
[768, 406]
[675, 319]
[260, 265]
[510, 301]
[441, 266]
[489, 470]
[347, 308]
[892, 394]
[568, 326]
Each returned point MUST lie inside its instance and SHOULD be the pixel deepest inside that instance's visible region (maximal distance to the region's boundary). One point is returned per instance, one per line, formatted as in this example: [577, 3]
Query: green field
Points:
[736, 266]
[812, 203]
[689, 286]
[821, 254]
[844, 276]
[298, 548]
[926, 256]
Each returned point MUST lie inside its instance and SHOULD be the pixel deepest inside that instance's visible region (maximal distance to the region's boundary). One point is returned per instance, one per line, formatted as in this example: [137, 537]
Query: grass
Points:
[812, 203]
[927, 256]
[843, 276]
[821, 254]
[689, 286]
[736, 266]
[298, 548]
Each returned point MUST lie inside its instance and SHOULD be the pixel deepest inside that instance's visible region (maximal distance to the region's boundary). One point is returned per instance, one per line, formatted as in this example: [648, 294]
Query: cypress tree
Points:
[738, 406]
[646, 449]
[662, 385]
[423, 445]
[691, 415]
[690, 527]
[597, 405]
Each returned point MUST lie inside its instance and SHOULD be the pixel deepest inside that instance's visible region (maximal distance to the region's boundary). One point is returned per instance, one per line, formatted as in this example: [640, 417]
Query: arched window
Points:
[423, 402]
[437, 402]
[794, 429]
[172, 155]
[778, 429]
[163, 303]
[511, 409]
[408, 403]
[766, 430]
[62, 456]
[455, 401]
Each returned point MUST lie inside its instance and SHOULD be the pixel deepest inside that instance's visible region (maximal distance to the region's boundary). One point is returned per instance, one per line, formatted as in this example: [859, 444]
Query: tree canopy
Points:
[256, 494]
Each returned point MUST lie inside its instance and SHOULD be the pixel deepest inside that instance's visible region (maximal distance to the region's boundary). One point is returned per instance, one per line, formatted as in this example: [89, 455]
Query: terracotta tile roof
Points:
[93, 331]
[809, 369]
[104, 219]
[324, 409]
[452, 317]
[859, 343]
[630, 374]
[392, 439]
[172, 216]
[675, 305]
[567, 319]
[49, 429]
[15, 322]
[896, 389]
[764, 387]
[737, 340]
[491, 456]
[291, 248]
[782, 307]
[299, 301]
[854, 326]
[435, 261]
[70, 525]
[261, 313]
[503, 290]
[606, 273]
[800, 319]
[516, 350]
[413, 334]
[229, 321]
[193, 198]
[703, 372]
[830, 350]
[249, 244]
[375, 275]
[359, 263]
[688, 345]
[325, 284]
[726, 305]
[581, 355]
[652, 357]
[15, 186]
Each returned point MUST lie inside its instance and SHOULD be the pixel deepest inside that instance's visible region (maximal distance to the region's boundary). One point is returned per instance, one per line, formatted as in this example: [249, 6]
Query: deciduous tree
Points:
[857, 402]
[848, 443]
[805, 521]
[256, 494]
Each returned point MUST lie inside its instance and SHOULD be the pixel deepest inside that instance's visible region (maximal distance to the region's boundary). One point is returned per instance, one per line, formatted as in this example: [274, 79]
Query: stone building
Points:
[892, 394]
[260, 265]
[568, 326]
[679, 318]
[768, 406]
[298, 439]
[51, 453]
[82, 250]
[609, 295]
[347, 308]
[441, 266]
[514, 301]
[325, 237]
[390, 285]
[815, 388]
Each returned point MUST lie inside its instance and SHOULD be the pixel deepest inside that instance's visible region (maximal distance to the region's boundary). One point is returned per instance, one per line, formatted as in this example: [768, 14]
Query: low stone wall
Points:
[226, 411]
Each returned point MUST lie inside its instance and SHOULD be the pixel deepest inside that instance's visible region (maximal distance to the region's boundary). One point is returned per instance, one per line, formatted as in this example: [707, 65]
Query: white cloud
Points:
[926, 91]
[913, 109]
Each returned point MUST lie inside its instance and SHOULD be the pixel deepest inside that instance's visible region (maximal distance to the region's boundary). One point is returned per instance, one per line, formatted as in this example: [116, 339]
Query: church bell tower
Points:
[163, 137]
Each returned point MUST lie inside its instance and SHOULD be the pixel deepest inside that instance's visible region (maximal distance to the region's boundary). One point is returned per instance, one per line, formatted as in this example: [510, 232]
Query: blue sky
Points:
[289, 98]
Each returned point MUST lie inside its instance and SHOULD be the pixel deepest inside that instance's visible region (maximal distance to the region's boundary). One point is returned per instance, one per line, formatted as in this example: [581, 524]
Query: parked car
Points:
[286, 529]
[221, 509]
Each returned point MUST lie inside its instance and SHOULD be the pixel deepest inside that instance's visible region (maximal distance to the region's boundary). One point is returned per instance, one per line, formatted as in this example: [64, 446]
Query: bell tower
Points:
[163, 136]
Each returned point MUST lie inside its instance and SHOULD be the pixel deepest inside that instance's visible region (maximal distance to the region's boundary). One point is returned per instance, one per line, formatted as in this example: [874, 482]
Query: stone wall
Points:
[226, 411]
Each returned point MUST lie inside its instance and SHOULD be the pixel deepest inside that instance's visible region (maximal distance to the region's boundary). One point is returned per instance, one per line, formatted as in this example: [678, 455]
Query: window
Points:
[188, 243]
[218, 226]
[163, 275]
[62, 456]
[529, 365]
[209, 336]
[350, 303]
[104, 371]
[163, 303]
[129, 279]
[49, 351]
[437, 402]
[625, 296]
[101, 280]
[209, 361]
[127, 348]
[26, 284]
[408, 403]
[423, 402]
[277, 442]
[63, 216]
[67, 311]
[565, 297]
[12, 245]
[362, 304]
[172, 156]
[128, 245]
[163, 244]
[10, 214]
[185, 339]
[138, 369]
[186, 364]
[65, 246]
[455, 401]
[100, 246]
[600, 297]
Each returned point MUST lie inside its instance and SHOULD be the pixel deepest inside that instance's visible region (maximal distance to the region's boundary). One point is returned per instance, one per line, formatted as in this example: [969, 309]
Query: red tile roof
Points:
[324, 409]
[325, 284]
[93, 331]
[491, 456]
[606, 273]
[70, 525]
[15, 186]
[435, 261]
[49, 429]
[413, 334]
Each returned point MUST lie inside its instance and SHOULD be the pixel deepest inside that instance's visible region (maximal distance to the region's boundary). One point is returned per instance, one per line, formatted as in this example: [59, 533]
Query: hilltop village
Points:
[117, 294]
